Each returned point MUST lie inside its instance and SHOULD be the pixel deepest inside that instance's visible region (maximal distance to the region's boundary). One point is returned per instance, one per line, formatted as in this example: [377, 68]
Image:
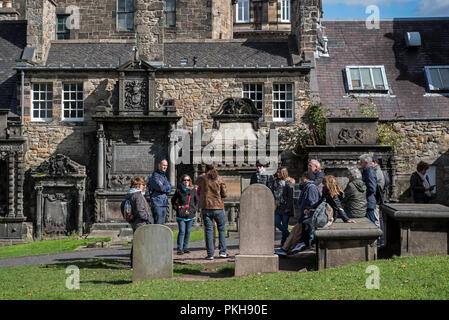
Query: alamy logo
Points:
[226, 146]
[373, 20]
[373, 280]
[73, 20]
[73, 281]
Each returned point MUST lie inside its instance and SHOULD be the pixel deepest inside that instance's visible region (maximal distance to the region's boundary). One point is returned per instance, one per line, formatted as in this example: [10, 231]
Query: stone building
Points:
[107, 91]
[105, 83]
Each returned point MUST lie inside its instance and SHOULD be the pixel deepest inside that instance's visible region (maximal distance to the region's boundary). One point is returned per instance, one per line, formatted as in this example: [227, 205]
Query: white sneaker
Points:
[224, 255]
[280, 252]
[299, 247]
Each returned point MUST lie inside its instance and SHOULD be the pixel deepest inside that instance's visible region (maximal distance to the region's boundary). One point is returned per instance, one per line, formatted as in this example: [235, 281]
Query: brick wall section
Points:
[97, 19]
[193, 20]
[304, 17]
[222, 24]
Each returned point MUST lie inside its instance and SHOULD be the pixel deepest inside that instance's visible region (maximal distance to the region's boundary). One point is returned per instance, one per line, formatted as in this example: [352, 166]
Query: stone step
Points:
[110, 226]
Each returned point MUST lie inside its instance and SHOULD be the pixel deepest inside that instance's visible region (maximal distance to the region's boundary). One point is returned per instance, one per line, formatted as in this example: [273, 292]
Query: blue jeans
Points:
[183, 234]
[219, 217]
[159, 214]
[370, 215]
[281, 222]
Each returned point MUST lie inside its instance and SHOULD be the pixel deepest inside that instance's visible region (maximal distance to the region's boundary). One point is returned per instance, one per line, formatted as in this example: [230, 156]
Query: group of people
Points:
[149, 203]
[362, 196]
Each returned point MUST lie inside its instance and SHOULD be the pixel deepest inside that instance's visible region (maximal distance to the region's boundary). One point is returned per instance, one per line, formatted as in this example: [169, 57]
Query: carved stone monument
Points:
[133, 135]
[152, 253]
[12, 149]
[256, 227]
[60, 194]
[346, 140]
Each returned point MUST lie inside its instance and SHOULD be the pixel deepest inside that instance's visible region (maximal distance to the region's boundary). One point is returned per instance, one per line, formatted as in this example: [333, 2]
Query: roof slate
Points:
[12, 42]
[227, 54]
[351, 43]
[99, 54]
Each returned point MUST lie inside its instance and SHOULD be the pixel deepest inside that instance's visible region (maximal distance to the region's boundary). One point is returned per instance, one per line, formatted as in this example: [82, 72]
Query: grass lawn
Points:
[45, 247]
[400, 278]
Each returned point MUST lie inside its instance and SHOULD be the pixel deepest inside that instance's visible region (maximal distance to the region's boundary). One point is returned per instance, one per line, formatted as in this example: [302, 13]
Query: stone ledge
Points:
[415, 211]
[362, 229]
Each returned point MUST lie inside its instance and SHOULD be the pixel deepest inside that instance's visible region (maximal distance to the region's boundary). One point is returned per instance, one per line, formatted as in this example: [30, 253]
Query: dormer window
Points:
[366, 79]
[438, 78]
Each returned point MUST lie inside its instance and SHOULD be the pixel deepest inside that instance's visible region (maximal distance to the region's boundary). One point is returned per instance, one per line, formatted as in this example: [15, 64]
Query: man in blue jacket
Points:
[370, 180]
[158, 187]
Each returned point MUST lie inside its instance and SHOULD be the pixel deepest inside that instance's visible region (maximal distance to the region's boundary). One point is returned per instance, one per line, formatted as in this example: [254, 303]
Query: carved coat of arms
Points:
[135, 95]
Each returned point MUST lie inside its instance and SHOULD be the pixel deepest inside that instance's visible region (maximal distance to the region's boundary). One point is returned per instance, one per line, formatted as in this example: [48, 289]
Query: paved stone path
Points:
[299, 262]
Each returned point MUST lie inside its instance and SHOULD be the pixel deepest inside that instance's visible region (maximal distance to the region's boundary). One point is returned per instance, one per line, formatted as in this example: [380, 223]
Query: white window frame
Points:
[46, 101]
[285, 100]
[77, 101]
[243, 7]
[249, 93]
[430, 86]
[349, 80]
[285, 10]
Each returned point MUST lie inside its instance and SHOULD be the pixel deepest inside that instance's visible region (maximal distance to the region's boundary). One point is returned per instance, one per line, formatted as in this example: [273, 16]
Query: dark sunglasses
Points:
[186, 180]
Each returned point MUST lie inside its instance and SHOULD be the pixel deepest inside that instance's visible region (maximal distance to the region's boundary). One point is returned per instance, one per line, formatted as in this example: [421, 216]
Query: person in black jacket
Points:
[420, 185]
[283, 195]
[185, 203]
[262, 177]
[139, 206]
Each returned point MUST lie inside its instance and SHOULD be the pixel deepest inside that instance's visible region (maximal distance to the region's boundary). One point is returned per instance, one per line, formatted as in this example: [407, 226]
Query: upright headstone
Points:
[256, 227]
[153, 253]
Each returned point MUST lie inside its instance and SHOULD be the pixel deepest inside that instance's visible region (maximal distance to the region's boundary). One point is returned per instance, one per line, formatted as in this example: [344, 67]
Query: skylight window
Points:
[438, 78]
[366, 78]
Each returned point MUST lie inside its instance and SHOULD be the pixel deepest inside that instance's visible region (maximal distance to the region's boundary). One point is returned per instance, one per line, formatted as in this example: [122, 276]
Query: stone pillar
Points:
[149, 21]
[12, 186]
[80, 190]
[305, 15]
[38, 232]
[100, 158]
[41, 29]
[20, 179]
[172, 157]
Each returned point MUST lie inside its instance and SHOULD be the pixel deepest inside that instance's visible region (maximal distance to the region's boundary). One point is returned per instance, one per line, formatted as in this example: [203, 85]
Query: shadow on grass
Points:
[115, 283]
[91, 264]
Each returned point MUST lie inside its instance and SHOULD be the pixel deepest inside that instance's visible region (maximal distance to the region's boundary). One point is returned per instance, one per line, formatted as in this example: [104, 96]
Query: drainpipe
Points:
[23, 99]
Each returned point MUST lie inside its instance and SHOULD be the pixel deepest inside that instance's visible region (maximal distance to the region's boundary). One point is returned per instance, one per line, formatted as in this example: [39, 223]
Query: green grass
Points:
[45, 247]
[410, 278]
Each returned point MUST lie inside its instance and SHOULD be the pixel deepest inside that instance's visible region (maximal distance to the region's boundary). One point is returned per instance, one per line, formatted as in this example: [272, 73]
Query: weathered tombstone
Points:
[153, 253]
[256, 227]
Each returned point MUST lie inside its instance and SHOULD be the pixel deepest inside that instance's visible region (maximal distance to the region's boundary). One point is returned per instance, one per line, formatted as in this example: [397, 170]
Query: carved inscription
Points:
[132, 159]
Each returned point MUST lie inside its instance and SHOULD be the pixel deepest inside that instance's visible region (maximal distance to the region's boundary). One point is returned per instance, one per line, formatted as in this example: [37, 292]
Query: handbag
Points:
[183, 210]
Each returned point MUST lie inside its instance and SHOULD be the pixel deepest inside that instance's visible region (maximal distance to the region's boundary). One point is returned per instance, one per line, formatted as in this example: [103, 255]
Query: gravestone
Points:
[153, 253]
[256, 227]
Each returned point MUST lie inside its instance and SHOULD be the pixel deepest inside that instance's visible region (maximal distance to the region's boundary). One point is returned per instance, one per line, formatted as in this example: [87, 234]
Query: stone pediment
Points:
[237, 108]
[136, 65]
[59, 166]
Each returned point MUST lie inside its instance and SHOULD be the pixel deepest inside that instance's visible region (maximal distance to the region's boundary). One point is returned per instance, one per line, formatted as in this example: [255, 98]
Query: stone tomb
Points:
[346, 243]
[256, 227]
[416, 229]
[152, 253]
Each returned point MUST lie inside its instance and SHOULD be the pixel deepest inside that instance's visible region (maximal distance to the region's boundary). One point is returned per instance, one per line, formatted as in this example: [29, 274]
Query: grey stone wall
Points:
[97, 19]
[193, 20]
[422, 141]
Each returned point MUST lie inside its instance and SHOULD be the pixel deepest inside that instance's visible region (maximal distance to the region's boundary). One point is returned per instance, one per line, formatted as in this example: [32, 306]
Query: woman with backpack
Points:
[185, 203]
[283, 188]
[135, 207]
